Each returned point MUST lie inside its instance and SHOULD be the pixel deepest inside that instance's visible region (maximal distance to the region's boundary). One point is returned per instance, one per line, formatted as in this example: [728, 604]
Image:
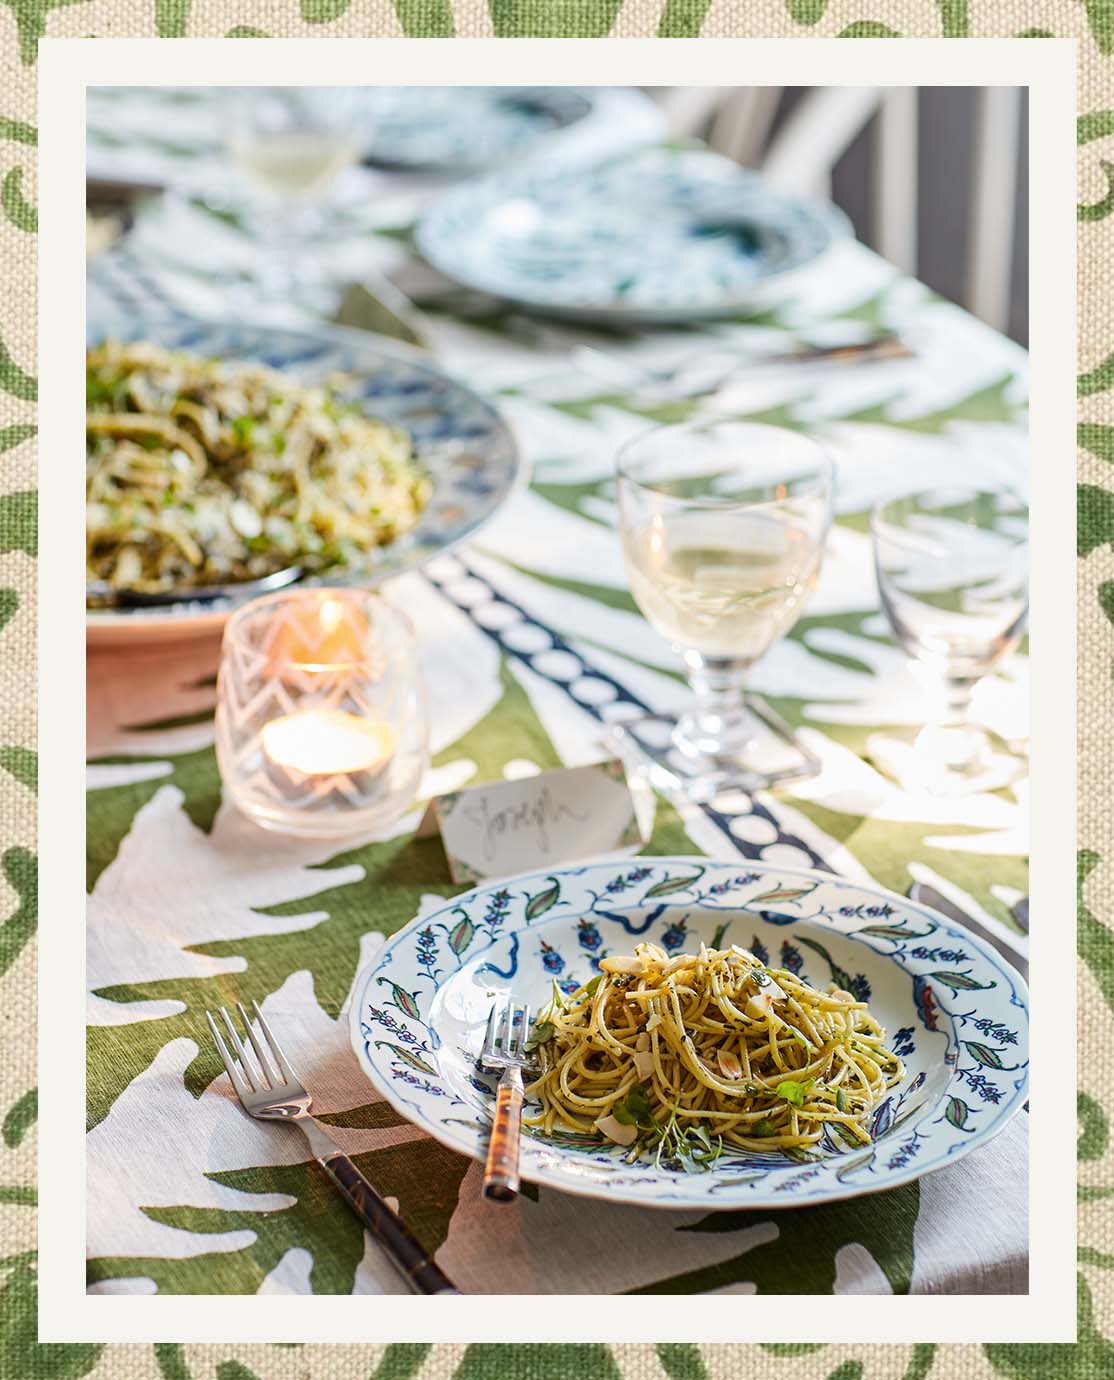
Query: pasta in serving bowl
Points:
[207, 471]
[230, 448]
[814, 1038]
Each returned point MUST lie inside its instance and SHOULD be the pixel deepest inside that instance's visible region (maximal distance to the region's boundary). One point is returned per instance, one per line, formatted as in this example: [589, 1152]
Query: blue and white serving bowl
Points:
[464, 444]
[953, 1009]
[662, 235]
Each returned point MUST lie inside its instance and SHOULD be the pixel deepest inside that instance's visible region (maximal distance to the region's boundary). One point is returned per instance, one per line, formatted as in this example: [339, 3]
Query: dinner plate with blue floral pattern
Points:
[661, 235]
[466, 128]
[952, 1008]
[464, 444]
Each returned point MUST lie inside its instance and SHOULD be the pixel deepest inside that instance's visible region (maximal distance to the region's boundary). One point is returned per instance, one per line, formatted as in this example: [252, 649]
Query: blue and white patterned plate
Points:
[461, 439]
[664, 235]
[464, 128]
[952, 1008]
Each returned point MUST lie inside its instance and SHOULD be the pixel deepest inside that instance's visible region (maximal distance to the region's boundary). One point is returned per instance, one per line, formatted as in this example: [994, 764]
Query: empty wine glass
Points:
[292, 142]
[953, 578]
[723, 526]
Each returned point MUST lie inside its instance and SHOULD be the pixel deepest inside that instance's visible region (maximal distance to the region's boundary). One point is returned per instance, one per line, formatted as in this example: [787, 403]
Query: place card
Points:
[502, 827]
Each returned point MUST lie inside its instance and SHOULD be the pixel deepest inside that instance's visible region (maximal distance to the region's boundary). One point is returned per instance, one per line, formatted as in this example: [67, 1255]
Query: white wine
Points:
[297, 165]
[723, 584]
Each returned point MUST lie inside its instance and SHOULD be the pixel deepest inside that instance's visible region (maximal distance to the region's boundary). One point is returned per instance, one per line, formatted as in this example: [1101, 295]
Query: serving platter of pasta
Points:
[703, 1034]
[220, 455]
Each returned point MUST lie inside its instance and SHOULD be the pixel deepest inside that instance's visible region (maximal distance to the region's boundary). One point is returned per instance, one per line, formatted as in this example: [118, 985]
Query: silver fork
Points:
[270, 1090]
[504, 1052]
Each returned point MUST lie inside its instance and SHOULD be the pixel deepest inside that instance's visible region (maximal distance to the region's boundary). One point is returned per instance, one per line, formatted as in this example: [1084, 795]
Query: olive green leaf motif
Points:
[19, 762]
[15, 435]
[21, 1353]
[20, 1118]
[558, 1361]
[868, 28]
[1096, 380]
[1094, 1128]
[30, 18]
[172, 18]
[682, 18]
[782, 1266]
[1098, 125]
[1095, 947]
[1094, 518]
[953, 17]
[1100, 20]
[19, 520]
[322, 11]
[22, 214]
[1092, 1354]
[21, 870]
[554, 19]
[426, 1182]
[806, 11]
[14, 380]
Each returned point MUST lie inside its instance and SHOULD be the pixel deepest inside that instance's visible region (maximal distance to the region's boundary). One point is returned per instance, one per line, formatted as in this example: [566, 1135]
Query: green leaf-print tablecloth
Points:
[191, 907]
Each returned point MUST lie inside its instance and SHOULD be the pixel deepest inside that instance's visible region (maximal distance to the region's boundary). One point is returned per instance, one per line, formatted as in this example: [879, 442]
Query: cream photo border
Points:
[66, 68]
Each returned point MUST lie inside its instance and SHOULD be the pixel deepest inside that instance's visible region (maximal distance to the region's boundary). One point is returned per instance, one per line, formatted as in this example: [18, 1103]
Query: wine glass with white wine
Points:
[292, 142]
[953, 579]
[723, 525]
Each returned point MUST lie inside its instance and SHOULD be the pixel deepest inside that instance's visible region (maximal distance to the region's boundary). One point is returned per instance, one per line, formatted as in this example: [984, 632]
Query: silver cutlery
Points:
[1013, 947]
[270, 1090]
[728, 363]
[377, 305]
[1020, 912]
[504, 1052]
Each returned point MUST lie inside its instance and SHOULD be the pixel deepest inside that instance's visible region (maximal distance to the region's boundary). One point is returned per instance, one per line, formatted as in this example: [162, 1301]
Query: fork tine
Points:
[234, 1074]
[280, 1059]
[249, 1072]
[524, 1033]
[264, 1063]
[490, 1034]
[507, 1043]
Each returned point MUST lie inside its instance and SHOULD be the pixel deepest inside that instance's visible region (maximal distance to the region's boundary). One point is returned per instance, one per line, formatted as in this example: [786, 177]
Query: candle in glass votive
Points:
[321, 633]
[328, 742]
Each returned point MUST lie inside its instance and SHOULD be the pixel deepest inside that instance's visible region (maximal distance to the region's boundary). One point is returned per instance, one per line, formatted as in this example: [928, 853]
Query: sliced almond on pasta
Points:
[729, 1063]
[616, 1131]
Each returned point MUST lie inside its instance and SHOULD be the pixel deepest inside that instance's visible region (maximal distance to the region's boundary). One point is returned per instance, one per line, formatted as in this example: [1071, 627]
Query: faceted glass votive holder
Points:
[321, 727]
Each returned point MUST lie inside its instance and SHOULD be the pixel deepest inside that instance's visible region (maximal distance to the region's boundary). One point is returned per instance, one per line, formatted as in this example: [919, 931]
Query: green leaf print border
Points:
[22, 24]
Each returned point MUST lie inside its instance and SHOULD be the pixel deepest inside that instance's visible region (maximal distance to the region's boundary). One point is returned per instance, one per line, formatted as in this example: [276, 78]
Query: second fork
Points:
[504, 1052]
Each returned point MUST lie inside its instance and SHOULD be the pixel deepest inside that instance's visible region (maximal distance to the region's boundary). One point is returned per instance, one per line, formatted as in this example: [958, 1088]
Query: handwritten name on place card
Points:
[503, 827]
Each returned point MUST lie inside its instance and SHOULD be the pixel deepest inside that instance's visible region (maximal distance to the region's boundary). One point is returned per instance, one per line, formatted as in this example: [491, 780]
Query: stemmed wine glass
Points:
[953, 578]
[292, 142]
[723, 525]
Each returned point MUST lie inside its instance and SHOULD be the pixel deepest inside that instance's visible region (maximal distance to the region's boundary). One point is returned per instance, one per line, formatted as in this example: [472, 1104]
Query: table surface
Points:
[191, 907]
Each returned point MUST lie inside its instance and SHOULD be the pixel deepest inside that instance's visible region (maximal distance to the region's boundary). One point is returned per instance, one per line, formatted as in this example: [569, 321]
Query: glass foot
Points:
[944, 761]
[677, 756]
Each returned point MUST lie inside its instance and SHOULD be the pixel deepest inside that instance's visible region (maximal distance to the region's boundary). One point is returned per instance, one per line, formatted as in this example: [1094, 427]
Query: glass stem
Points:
[960, 743]
[958, 702]
[719, 724]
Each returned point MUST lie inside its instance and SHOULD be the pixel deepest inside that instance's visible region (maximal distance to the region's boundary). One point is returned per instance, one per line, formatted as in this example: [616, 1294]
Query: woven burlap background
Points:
[22, 23]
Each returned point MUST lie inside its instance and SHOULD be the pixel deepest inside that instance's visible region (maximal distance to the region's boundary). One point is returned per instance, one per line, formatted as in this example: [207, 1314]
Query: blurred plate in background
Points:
[662, 235]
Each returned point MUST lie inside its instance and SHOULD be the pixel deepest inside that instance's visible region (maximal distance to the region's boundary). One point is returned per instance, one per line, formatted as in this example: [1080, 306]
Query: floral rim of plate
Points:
[964, 1036]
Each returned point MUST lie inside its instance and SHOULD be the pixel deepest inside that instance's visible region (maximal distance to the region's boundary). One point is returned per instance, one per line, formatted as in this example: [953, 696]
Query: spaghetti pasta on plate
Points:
[681, 1057]
[947, 1075]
